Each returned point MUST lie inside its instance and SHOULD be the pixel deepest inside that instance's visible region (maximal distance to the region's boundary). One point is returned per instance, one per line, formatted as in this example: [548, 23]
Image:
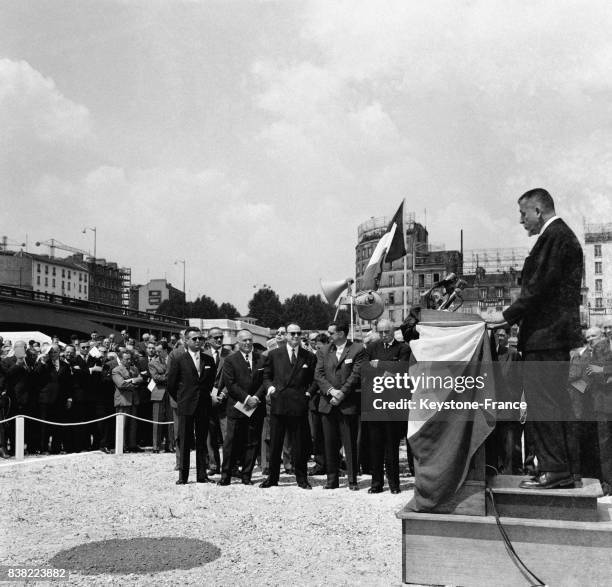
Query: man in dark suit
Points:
[55, 397]
[338, 376]
[243, 376]
[547, 311]
[287, 377]
[217, 423]
[190, 380]
[385, 437]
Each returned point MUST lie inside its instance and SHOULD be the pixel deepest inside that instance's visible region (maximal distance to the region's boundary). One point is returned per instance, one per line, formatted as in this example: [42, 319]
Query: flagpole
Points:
[405, 311]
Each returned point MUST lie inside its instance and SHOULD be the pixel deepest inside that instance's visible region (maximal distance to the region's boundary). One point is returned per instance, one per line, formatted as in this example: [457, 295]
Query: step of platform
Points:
[576, 504]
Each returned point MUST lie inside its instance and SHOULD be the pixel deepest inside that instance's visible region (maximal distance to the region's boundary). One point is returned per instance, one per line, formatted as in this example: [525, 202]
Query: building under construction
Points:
[598, 269]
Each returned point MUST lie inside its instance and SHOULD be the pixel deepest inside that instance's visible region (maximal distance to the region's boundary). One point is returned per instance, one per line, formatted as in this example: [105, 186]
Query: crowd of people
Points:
[298, 400]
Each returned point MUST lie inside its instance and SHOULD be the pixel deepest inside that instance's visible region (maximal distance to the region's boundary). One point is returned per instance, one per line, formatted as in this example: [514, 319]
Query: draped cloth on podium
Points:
[444, 441]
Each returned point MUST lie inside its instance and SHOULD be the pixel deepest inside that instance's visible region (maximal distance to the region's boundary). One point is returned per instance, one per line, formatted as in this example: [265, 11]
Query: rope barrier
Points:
[83, 423]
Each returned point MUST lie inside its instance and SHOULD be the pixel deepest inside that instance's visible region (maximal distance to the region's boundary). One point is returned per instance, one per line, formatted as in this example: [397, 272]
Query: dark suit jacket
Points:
[186, 387]
[56, 386]
[82, 379]
[548, 306]
[398, 351]
[292, 382]
[21, 381]
[343, 374]
[240, 383]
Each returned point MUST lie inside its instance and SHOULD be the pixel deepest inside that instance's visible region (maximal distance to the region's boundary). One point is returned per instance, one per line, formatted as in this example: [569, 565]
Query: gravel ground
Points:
[122, 519]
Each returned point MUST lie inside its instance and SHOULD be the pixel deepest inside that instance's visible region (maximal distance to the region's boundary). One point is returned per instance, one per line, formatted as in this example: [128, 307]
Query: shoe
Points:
[268, 483]
[3, 453]
[265, 471]
[155, 451]
[353, 486]
[204, 480]
[330, 485]
[548, 481]
[181, 482]
[212, 472]
[304, 485]
[176, 467]
[375, 490]
[290, 471]
[223, 481]
[135, 449]
[396, 490]
[105, 450]
[246, 481]
[318, 470]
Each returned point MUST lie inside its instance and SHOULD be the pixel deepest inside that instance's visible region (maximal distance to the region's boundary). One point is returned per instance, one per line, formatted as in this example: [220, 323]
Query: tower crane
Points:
[53, 244]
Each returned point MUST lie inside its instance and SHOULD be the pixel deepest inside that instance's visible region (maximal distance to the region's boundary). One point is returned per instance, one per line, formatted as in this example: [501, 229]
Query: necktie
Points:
[197, 362]
[217, 358]
[247, 358]
[293, 357]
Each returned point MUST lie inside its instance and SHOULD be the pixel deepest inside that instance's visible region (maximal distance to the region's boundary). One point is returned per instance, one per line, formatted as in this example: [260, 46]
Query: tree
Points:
[204, 307]
[322, 313]
[227, 310]
[266, 306]
[297, 309]
[175, 307]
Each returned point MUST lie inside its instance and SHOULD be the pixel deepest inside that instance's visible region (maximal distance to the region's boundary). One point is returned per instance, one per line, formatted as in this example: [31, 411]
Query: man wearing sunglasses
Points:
[218, 415]
[191, 377]
[288, 377]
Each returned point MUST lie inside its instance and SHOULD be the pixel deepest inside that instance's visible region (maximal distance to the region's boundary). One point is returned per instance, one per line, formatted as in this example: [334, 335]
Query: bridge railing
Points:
[50, 298]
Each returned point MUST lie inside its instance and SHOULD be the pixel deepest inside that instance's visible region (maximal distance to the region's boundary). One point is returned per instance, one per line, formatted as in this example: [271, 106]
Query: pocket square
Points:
[260, 369]
[304, 366]
[206, 366]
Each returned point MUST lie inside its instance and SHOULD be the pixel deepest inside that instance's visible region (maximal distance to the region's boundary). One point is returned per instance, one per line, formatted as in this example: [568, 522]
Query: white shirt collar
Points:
[290, 350]
[548, 223]
[340, 348]
[194, 354]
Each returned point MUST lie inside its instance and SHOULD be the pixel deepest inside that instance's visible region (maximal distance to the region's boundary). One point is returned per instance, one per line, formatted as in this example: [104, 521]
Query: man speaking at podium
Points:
[547, 311]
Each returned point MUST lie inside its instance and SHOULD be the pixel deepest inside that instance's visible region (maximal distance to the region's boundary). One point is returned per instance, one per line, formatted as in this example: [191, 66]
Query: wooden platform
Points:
[441, 549]
[577, 504]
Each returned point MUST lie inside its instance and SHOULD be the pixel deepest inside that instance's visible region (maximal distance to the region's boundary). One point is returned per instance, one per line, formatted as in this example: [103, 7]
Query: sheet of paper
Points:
[242, 407]
[151, 385]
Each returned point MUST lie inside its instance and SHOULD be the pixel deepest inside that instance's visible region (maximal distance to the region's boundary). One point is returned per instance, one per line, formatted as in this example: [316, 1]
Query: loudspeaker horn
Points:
[369, 305]
[333, 289]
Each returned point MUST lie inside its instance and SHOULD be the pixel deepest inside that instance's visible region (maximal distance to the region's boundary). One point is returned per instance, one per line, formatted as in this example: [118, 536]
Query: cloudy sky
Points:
[251, 138]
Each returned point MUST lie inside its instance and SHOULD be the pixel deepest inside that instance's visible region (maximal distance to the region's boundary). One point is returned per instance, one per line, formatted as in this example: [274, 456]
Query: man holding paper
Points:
[242, 375]
[191, 377]
[288, 375]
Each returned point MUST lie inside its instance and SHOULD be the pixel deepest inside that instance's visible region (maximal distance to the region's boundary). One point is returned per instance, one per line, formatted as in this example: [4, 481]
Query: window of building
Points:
[38, 280]
[482, 293]
[599, 302]
[63, 273]
[421, 280]
[599, 285]
[391, 280]
[598, 268]
[436, 277]
[84, 289]
[80, 277]
[53, 270]
[598, 250]
[46, 281]
[500, 292]
[46, 269]
[69, 286]
[63, 285]
[53, 283]
[68, 273]
[80, 288]
[391, 298]
[38, 267]
[85, 278]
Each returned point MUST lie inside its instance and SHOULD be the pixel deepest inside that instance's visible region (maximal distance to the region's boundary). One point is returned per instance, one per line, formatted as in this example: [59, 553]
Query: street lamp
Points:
[183, 262]
[95, 231]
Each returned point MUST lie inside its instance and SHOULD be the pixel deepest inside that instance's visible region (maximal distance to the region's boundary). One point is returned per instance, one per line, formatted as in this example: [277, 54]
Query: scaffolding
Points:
[494, 260]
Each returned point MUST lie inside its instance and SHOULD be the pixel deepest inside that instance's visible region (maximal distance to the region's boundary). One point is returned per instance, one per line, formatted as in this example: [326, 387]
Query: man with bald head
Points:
[385, 437]
[242, 376]
[547, 311]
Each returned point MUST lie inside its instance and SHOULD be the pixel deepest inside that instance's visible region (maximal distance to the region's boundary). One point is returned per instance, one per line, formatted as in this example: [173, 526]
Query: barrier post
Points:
[19, 446]
[119, 427]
